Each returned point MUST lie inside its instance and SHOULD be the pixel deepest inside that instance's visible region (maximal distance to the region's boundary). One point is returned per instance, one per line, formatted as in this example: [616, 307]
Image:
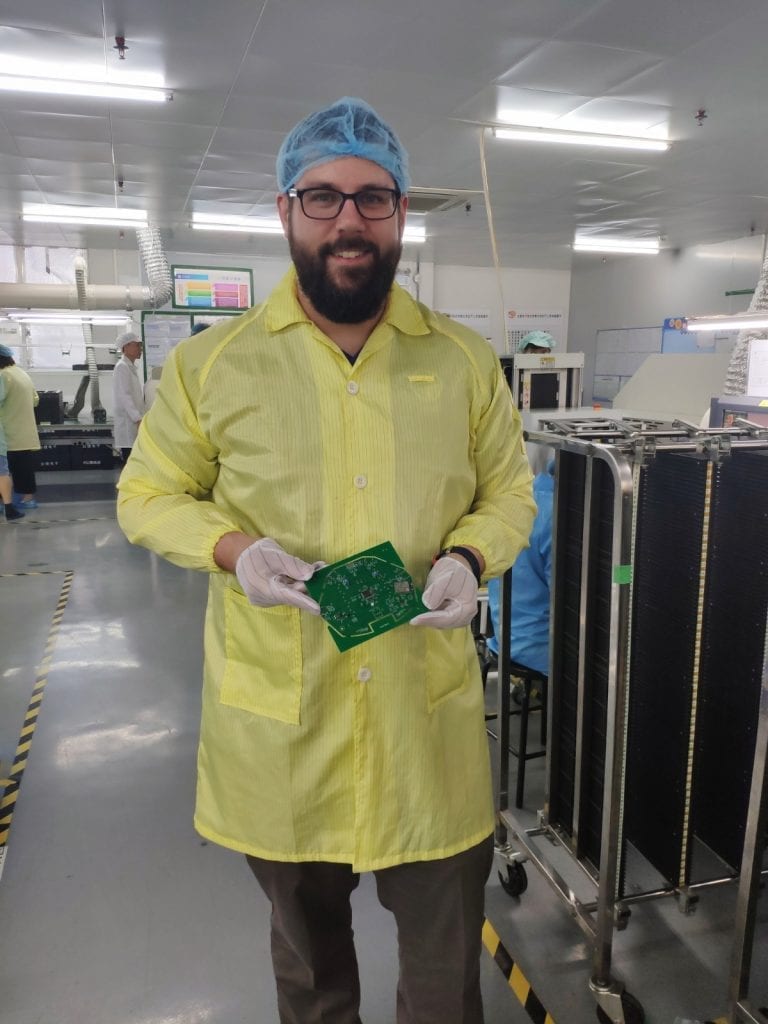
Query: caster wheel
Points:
[516, 881]
[631, 1007]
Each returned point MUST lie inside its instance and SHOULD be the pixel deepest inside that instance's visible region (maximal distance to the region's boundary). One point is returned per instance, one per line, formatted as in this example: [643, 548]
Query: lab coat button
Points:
[364, 674]
[361, 481]
[353, 387]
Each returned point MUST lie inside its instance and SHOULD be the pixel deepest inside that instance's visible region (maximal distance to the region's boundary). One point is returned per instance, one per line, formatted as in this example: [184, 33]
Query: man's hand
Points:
[270, 576]
[450, 593]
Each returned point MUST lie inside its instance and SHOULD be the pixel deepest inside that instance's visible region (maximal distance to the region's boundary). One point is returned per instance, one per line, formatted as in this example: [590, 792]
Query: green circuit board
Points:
[365, 595]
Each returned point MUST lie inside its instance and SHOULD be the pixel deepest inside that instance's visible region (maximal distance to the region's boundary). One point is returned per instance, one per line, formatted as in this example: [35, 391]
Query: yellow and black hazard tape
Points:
[12, 784]
[42, 523]
[520, 984]
[515, 977]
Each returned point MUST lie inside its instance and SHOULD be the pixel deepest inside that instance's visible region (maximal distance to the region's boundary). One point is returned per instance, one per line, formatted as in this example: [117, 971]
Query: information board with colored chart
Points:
[212, 287]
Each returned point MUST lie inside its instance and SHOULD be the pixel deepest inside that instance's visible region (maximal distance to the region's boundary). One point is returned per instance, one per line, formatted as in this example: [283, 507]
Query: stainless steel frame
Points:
[622, 446]
[740, 1007]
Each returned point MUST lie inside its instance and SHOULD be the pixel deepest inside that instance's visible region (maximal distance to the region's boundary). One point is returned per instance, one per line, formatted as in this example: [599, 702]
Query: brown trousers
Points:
[438, 908]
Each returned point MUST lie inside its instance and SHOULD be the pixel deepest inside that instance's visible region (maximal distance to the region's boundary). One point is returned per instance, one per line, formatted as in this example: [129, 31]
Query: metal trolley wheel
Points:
[632, 1010]
[516, 881]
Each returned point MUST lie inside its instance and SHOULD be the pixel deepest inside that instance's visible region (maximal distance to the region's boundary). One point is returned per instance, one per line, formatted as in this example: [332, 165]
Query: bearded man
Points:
[337, 415]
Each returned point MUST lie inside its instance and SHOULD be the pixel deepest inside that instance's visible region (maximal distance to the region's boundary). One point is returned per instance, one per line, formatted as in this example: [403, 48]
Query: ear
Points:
[401, 212]
[283, 210]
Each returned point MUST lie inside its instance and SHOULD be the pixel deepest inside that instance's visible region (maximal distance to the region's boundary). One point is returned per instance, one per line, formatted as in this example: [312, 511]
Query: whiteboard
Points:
[619, 354]
[757, 375]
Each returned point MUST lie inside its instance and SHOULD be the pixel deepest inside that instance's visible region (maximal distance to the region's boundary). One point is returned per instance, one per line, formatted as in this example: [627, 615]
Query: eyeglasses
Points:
[327, 203]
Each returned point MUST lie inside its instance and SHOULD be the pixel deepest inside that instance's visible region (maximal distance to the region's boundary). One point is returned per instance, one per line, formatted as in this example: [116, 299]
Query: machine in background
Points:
[545, 380]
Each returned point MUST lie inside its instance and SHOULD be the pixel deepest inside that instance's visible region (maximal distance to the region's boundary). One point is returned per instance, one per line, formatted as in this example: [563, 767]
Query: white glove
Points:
[451, 593]
[270, 576]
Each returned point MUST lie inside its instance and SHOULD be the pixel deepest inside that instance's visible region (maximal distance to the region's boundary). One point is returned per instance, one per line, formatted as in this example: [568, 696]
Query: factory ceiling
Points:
[242, 72]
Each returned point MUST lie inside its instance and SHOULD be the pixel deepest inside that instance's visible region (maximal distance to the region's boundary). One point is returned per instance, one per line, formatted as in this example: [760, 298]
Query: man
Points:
[531, 578]
[127, 393]
[6, 483]
[18, 399]
[338, 414]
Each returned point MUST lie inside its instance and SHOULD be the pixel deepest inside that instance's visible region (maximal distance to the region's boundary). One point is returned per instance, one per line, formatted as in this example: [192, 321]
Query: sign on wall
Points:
[478, 319]
[212, 287]
[521, 321]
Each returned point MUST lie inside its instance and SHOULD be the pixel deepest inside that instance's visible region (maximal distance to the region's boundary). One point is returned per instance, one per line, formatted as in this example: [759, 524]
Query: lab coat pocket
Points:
[447, 667]
[263, 659]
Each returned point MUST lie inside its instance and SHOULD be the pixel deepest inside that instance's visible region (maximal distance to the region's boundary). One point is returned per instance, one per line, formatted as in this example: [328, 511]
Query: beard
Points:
[365, 289]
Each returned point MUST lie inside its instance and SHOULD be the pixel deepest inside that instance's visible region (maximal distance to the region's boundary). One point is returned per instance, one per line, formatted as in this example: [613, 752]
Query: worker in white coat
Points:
[127, 392]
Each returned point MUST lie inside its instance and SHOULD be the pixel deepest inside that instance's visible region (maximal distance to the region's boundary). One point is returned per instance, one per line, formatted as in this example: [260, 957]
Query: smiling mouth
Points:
[350, 254]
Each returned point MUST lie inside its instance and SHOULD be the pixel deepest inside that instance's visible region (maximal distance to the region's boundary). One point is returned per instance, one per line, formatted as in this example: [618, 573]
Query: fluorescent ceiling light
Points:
[75, 319]
[638, 246]
[415, 233]
[727, 322]
[94, 216]
[97, 90]
[234, 222]
[22, 75]
[572, 138]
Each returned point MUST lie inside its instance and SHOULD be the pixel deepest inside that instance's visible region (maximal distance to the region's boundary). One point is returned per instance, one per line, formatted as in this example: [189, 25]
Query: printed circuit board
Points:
[365, 595]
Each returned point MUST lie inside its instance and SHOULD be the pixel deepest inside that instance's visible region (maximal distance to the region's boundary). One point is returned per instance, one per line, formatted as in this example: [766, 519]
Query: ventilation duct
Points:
[81, 272]
[155, 264]
[101, 296]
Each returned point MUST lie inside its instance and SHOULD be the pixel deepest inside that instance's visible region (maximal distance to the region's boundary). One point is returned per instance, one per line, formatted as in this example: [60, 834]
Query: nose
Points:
[348, 215]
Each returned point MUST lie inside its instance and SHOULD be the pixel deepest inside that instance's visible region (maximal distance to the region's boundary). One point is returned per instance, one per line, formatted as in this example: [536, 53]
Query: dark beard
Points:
[368, 287]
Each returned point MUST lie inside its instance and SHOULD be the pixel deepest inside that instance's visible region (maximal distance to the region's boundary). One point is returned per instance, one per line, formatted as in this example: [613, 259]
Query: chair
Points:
[529, 679]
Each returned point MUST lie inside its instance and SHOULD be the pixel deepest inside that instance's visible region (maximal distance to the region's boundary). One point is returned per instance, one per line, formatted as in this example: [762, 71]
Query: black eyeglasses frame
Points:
[299, 193]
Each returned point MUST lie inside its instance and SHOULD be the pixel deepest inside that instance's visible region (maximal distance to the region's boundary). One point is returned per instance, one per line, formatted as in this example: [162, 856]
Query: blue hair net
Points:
[6, 352]
[540, 338]
[349, 127]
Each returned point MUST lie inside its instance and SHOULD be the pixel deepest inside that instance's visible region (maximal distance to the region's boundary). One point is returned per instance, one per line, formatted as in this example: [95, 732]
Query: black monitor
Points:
[724, 409]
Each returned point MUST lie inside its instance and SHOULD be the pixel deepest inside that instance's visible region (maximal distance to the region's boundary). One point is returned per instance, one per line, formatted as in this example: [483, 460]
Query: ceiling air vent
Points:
[433, 200]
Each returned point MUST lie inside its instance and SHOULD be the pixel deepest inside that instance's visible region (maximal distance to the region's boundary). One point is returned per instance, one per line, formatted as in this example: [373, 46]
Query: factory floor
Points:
[112, 909]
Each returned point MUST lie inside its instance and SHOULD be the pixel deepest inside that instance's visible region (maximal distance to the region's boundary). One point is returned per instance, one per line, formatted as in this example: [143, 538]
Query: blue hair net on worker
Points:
[348, 127]
[540, 338]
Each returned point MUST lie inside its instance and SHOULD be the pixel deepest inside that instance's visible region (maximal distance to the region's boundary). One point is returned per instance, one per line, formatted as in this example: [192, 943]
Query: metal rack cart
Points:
[741, 1008]
[657, 530]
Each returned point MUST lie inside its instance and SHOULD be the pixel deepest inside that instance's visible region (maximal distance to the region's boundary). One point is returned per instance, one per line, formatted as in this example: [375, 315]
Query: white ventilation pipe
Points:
[65, 296]
[101, 296]
[81, 274]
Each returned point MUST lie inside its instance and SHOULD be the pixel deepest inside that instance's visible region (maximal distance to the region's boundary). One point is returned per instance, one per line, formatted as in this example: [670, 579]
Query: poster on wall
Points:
[162, 331]
[211, 287]
[10, 334]
[521, 321]
[675, 339]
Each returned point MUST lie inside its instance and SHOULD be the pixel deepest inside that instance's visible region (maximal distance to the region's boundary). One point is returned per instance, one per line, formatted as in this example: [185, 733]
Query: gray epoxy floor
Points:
[114, 911]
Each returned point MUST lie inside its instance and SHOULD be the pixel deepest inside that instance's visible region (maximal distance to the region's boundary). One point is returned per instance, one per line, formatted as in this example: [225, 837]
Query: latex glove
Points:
[450, 593]
[270, 576]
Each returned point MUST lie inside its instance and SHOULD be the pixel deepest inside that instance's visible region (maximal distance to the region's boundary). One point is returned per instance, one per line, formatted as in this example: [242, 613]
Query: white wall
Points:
[477, 288]
[641, 291]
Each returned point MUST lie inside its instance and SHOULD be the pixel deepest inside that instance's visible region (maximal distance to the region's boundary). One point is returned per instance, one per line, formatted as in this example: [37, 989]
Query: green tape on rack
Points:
[622, 574]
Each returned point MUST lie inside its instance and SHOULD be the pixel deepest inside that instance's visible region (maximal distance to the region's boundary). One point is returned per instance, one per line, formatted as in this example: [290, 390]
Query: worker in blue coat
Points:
[531, 576]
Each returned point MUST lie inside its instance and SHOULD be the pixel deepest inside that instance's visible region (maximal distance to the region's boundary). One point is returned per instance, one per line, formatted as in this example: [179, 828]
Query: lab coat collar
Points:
[402, 313]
